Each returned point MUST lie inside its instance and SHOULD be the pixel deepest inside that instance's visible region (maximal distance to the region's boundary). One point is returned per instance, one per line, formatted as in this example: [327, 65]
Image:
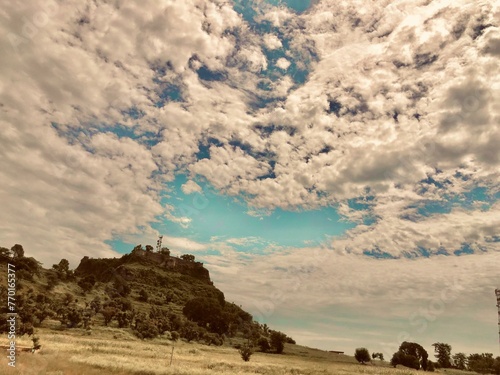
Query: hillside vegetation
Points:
[146, 294]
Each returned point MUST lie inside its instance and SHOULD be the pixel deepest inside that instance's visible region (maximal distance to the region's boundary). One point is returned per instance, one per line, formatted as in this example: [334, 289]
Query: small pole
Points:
[171, 355]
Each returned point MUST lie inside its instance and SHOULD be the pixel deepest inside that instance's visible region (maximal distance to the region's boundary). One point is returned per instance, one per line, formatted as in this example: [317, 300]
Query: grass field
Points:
[115, 352]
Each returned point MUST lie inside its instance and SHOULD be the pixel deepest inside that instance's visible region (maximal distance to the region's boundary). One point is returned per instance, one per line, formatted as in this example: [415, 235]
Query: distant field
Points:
[112, 351]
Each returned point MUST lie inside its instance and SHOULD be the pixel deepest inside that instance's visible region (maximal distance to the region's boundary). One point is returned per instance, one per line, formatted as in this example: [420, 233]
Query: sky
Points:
[334, 164]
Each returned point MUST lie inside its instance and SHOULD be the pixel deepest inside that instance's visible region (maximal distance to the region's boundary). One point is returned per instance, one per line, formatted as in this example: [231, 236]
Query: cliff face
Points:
[104, 269]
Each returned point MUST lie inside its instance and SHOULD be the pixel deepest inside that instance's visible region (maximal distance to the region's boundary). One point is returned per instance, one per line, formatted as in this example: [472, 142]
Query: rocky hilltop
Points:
[105, 269]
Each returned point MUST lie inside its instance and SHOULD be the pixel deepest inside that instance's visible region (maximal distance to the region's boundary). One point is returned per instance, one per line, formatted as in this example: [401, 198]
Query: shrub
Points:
[143, 295]
[278, 341]
[264, 344]
[362, 355]
[245, 352]
[175, 335]
[36, 342]
[146, 330]
[108, 313]
[430, 366]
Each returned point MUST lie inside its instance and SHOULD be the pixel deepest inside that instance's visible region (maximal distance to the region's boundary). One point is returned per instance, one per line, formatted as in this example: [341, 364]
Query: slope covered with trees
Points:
[148, 293]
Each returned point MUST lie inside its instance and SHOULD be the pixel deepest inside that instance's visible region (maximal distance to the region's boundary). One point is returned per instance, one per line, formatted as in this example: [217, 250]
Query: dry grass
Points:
[72, 353]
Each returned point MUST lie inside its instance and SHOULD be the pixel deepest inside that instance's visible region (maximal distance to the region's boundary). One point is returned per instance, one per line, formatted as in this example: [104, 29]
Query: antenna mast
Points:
[158, 244]
[497, 292]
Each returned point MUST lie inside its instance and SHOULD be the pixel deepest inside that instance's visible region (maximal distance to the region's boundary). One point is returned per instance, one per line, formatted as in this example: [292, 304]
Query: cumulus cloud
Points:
[191, 187]
[392, 103]
[272, 42]
[283, 63]
[315, 281]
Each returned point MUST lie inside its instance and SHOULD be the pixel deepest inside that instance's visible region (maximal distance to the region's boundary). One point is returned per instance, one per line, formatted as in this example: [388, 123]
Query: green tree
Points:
[362, 355]
[460, 361]
[165, 251]
[62, 269]
[74, 317]
[5, 254]
[207, 312]
[87, 283]
[190, 331]
[411, 355]
[95, 304]
[443, 354]
[496, 366]
[430, 366]
[188, 257]
[482, 363]
[108, 313]
[264, 344]
[278, 341]
[17, 251]
[146, 330]
[378, 355]
[246, 352]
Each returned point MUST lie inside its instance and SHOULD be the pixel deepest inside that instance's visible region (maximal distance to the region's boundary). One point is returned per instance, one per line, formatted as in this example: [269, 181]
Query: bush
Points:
[146, 330]
[362, 355]
[108, 313]
[264, 344]
[175, 335]
[430, 366]
[36, 343]
[245, 352]
[143, 295]
[278, 341]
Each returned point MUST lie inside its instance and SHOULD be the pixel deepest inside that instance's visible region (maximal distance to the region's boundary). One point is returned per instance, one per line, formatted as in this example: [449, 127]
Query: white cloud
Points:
[283, 63]
[400, 293]
[175, 243]
[272, 42]
[191, 187]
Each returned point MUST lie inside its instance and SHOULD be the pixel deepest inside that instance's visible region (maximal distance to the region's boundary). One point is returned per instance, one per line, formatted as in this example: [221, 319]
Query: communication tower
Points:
[497, 292]
[158, 244]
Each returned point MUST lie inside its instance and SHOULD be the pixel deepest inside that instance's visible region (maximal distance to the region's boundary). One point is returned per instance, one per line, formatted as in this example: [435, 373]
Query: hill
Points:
[146, 294]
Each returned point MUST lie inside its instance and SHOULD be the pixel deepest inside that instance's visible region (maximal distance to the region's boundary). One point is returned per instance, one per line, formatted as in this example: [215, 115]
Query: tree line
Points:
[414, 356]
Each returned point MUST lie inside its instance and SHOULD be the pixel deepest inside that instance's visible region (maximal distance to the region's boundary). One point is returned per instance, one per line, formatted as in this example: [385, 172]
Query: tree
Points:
[149, 248]
[278, 341]
[138, 248]
[362, 355]
[87, 283]
[378, 355]
[496, 366]
[74, 317]
[246, 352]
[95, 304]
[145, 329]
[17, 251]
[108, 313]
[5, 253]
[443, 354]
[207, 312]
[411, 355]
[165, 251]
[482, 363]
[188, 257]
[430, 366]
[264, 344]
[460, 361]
[190, 331]
[62, 269]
